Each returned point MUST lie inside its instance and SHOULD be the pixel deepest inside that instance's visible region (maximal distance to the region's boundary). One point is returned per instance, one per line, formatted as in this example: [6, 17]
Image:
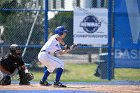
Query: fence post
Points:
[46, 25]
[89, 57]
[109, 40]
[46, 21]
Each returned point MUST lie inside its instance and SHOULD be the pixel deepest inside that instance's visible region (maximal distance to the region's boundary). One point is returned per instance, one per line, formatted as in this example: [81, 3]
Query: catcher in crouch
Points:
[12, 64]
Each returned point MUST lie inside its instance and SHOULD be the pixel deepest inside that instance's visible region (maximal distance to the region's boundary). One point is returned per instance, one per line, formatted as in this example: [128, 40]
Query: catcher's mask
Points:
[15, 50]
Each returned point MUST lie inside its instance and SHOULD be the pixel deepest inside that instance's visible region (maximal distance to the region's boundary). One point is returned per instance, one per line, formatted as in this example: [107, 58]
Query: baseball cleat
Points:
[24, 83]
[58, 84]
[44, 83]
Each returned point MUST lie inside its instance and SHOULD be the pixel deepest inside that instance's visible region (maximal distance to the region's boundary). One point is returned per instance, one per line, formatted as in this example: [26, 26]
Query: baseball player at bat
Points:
[47, 58]
[12, 64]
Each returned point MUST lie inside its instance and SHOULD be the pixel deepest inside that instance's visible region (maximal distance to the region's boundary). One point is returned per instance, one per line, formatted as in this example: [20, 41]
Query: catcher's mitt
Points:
[29, 76]
[25, 76]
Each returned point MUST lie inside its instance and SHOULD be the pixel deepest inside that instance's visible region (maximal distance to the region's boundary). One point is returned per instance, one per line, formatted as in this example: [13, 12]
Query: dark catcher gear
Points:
[11, 63]
[13, 49]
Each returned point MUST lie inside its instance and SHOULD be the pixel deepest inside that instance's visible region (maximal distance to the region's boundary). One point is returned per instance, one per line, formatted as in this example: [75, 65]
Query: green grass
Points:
[127, 74]
[84, 73]
[72, 72]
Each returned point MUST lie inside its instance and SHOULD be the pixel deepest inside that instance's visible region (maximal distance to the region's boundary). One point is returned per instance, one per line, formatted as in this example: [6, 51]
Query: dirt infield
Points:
[78, 87]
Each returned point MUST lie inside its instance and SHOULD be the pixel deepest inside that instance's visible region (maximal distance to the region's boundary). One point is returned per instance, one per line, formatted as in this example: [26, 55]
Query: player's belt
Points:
[45, 51]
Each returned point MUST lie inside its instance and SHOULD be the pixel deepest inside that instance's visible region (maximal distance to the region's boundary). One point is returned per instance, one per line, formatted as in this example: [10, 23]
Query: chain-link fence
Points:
[24, 22]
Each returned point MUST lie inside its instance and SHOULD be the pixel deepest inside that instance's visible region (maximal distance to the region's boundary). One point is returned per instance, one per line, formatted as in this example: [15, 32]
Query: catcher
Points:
[12, 64]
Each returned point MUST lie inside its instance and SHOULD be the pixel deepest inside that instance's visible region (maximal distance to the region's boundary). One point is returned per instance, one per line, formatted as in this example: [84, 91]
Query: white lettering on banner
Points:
[90, 36]
[134, 19]
[89, 24]
[127, 54]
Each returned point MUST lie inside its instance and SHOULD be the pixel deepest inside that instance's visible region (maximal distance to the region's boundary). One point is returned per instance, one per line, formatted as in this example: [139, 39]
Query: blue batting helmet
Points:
[60, 30]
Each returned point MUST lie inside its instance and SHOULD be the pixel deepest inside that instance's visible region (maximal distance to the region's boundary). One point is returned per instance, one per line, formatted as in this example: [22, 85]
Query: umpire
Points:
[12, 64]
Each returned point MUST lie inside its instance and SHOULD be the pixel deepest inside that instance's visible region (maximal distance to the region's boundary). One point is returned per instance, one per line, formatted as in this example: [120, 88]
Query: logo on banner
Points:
[90, 24]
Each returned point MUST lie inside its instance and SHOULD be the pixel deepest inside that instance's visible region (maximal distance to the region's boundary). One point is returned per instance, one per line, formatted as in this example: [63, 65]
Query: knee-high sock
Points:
[58, 74]
[46, 74]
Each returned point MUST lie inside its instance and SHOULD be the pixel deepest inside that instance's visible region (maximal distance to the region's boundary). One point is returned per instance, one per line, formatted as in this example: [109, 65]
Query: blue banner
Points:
[127, 33]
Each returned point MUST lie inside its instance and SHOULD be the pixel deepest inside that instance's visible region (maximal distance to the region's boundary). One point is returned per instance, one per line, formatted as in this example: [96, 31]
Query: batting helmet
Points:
[60, 30]
[13, 49]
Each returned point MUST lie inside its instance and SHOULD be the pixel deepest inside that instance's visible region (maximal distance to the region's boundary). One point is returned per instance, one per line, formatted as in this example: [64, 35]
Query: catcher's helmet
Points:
[13, 48]
[60, 30]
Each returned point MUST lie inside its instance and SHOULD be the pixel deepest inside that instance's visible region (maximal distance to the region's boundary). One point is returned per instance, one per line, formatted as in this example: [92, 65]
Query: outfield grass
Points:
[84, 73]
[127, 74]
